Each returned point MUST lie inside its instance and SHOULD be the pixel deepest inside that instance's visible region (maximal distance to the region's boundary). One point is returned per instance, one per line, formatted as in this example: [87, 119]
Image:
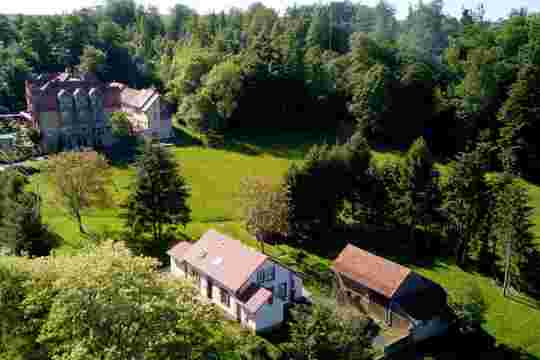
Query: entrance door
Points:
[209, 288]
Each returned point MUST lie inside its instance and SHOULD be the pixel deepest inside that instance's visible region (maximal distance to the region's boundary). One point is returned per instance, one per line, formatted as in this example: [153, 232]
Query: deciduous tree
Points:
[266, 208]
[92, 61]
[79, 181]
[321, 332]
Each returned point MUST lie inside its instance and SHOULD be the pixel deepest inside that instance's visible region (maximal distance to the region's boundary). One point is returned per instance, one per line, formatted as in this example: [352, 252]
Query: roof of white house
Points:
[222, 258]
[178, 250]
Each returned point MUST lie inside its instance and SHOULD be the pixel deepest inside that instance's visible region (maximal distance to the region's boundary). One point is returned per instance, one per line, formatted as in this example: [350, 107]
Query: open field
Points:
[214, 176]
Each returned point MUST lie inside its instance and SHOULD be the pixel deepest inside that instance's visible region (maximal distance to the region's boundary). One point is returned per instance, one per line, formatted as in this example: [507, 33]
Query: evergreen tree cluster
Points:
[482, 219]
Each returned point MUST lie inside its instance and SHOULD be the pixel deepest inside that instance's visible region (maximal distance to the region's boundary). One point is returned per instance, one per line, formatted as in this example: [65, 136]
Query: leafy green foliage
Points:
[513, 228]
[372, 100]
[92, 61]
[266, 208]
[319, 187]
[470, 308]
[104, 303]
[121, 126]
[79, 181]
[320, 332]
[520, 117]
[466, 200]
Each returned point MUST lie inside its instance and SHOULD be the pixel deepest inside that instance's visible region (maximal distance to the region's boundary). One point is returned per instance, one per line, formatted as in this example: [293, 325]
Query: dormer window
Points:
[268, 274]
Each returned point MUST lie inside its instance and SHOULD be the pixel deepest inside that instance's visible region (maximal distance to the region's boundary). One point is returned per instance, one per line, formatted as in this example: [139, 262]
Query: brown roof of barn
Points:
[372, 271]
[224, 259]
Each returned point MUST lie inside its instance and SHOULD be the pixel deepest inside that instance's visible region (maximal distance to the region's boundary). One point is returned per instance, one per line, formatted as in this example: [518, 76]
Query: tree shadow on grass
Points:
[524, 300]
[455, 345]
[289, 144]
[393, 244]
[124, 152]
[180, 137]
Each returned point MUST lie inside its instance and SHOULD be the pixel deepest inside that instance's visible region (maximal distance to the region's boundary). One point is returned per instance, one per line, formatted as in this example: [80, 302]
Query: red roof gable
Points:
[258, 299]
[371, 271]
[224, 259]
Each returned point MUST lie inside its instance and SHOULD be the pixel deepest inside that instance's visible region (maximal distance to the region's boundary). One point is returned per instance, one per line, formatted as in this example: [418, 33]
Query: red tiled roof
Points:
[178, 250]
[372, 271]
[258, 299]
[224, 259]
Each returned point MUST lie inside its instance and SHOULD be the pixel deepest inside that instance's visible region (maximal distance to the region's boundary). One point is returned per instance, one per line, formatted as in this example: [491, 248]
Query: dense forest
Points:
[328, 66]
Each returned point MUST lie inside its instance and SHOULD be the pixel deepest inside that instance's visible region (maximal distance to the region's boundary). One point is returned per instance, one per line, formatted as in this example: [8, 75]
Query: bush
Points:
[470, 308]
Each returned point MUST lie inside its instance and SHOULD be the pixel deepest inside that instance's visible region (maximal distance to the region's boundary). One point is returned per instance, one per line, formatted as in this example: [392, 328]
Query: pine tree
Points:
[158, 200]
[421, 198]
[319, 30]
[385, 22]
[372, 101]
[520, 116]
[514, 232]
[465, 202]
[22, 231]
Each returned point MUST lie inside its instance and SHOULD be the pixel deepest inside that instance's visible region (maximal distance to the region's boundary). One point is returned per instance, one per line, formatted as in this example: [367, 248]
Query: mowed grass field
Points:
[214, 176]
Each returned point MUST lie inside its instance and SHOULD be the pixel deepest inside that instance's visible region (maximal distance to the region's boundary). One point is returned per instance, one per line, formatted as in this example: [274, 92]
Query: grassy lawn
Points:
[214, 176]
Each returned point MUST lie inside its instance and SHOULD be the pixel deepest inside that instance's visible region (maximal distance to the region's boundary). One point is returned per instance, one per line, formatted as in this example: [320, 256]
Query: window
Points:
[185, 269]
[195, 277]
[282, 291]
[225, 298]
[268, 274]
[271, 298]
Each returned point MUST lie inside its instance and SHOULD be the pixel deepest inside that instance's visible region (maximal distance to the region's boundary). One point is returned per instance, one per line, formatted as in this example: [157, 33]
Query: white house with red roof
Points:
[249, 286]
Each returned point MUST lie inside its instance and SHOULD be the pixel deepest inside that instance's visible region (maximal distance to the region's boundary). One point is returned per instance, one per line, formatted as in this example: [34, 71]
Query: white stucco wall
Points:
[176, 267]
[268, 315]
[150, 121]
[272, 315]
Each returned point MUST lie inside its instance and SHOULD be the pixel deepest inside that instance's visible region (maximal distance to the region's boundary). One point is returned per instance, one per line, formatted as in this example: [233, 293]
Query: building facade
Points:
[391, 293]
[71, 112]
[247, 285]
[74, 111]
[144, 111]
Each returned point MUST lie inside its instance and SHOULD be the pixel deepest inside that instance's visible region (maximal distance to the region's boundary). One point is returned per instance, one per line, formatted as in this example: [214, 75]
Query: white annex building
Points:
[250, 286]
